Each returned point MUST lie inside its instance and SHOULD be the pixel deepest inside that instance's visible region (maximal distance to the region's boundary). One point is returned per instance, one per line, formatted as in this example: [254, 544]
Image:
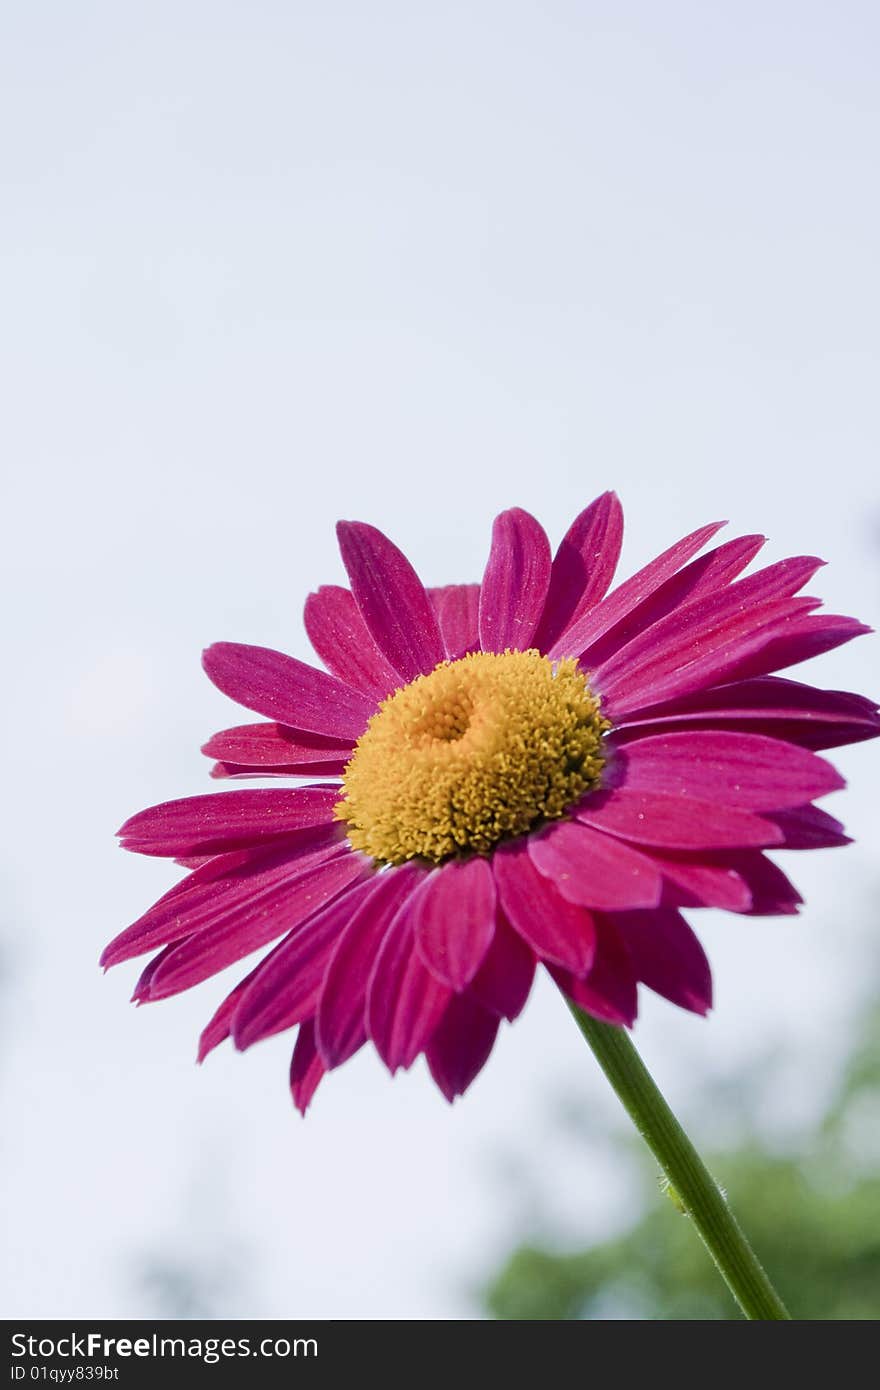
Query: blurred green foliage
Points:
[813, 1218]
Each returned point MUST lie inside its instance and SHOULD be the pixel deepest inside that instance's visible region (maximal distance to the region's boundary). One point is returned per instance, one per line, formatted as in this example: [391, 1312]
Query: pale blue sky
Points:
[266, 265]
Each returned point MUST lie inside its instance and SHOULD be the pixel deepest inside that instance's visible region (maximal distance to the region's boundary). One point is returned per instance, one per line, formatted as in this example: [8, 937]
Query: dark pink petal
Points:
[254, 923]
[141, 992]
[259, 746]
[675, 822]
[224, 886]
[718, 659]
[779, 580]
[515, 582]
[242, 773]
[694, 883]
[591, 625]
[219, 1027]
[226, 868]
[583, 567]
[220, 887]
[341, 1016]
[770, 705]
[391, 599]
[288, 691]
[556, 930]
[808, 827]
[342, 640]
[803, 638]
[771, 892]
[667, 957]
[747, 770]
[231, 820]
[608, 991]
[714, 571]
[769, 695]
[817, 735]
[306, 1067]
[216, 1031]
[461, 1044]
[405, 1001]
[284, 989]
[697, 646]
[457, 607]
[595, 870]
[453, 915]
[504, 980]
[702, 576]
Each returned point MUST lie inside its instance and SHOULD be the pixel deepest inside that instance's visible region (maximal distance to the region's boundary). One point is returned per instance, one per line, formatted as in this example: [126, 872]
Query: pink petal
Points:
[768, 695]
[219, 888]
[515, 582]
[306, 1067]
[595, 870]
[771, 892]
[555, 929]
[341, 1015]
[583, 567]
[342, 640]
[453, 915]
[688, 883]
[253, 924]
[699, 645]
[817, 735]
[667, 957]
[141, 992]
[608, 991]
[779, 580]
[391, 599]
[675, 822]
[457, 607]
[241, 772]
[504, 980]
[232, 820]
[770, 705]
[284, 989]
[405, 1001]
[288, 691]
[461, 1044]
[808, 827]
[710, 574]
[702, 576]
[747, 770]
[257, 746]
[219, 1027]
[802, 638]
[621, 601]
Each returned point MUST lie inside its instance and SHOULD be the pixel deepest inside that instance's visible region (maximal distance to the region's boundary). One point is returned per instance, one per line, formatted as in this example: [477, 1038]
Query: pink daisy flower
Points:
[527, 771]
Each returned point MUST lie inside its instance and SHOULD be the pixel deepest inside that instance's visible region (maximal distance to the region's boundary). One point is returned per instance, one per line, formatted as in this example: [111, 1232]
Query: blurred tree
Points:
[813, 1217]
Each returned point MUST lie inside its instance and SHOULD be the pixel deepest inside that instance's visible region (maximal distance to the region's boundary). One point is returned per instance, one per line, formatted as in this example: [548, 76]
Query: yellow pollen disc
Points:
[478, 751]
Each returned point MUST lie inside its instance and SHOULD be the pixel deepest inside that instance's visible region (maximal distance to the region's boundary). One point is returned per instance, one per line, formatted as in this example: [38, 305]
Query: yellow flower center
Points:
[478, 751]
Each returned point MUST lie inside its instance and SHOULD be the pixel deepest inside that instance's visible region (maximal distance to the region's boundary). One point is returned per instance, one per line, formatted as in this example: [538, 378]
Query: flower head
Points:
[527, 771]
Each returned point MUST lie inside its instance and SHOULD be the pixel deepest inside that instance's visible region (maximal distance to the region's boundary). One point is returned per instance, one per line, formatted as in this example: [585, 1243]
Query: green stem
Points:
[699, 1194]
